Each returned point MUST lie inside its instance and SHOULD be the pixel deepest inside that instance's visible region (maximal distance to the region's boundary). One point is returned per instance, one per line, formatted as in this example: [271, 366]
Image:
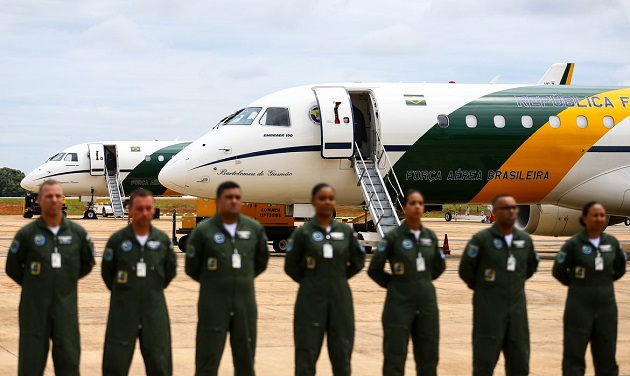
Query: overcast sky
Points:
[90, 70]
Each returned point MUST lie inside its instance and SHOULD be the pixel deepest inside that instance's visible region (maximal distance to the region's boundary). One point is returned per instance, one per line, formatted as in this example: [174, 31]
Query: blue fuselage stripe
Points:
[609, 149]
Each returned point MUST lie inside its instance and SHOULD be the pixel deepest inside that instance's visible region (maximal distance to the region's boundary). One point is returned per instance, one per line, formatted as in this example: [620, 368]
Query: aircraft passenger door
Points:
[97, 159]
[335, 111]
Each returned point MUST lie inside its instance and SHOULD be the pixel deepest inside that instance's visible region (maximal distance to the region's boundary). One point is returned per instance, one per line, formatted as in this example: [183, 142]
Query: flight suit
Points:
[227, 300]
[322, 262]
[497, 274]
[137, 307]
[411, 303]
[48, 305]
[590, 312]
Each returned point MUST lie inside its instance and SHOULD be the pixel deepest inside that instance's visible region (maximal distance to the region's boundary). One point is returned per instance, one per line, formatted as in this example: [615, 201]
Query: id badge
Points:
[55, 260]
[599, 263]
[511, 263]
[328, 251]
[141, 269]
[420, 264]
[236, 261]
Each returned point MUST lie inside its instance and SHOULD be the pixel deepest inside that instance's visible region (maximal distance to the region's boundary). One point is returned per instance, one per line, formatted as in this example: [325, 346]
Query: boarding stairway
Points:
[116, 192]
[376, 187]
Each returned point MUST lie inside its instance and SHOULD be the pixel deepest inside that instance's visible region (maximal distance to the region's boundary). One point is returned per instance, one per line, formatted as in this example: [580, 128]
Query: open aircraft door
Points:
[335, 111]
[97, 159]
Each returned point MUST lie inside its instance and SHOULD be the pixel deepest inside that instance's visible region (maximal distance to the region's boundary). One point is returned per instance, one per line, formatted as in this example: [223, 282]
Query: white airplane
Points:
[552, 147]
[108, 168]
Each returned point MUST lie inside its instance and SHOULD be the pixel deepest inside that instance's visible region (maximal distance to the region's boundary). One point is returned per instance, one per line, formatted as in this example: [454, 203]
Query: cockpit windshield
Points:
[57, 157]
[245, 116]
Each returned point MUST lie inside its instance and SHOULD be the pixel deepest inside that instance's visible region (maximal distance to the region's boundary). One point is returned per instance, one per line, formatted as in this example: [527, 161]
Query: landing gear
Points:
[448, 216]
[181, 243]
[89, 214]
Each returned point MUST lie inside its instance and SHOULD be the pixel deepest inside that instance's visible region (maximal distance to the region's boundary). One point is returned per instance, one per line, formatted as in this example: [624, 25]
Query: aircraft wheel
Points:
[181, 243]
[448, 217]
[104, 213]
[89, 214]
[280, 245]
[626, 221]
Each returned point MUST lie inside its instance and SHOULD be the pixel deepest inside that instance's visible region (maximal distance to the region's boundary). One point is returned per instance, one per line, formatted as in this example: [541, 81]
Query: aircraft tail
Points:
[558, 74]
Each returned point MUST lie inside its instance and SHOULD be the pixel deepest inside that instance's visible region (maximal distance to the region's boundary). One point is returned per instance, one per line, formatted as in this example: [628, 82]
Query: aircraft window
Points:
[57, 157]
[245, 116]
[71, 157]
[161, 158]
[471, 121]
[582, 121]
[499, 121]
[276, 116]
[442, 121]
[147, 158]
[609, 122]
[554, 121]
[527, 121]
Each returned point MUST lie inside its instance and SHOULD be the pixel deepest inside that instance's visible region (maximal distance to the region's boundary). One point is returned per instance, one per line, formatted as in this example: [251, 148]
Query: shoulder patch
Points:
[442, 255]
[15, 246]
[290, 245]
[108, 254]
[472, 251]
[382, 246]
[562, 256]
[190, 251]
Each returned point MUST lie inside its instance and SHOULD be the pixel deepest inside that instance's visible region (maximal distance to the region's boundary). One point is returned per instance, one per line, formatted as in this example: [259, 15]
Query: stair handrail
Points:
[397, 188]
[371, 202]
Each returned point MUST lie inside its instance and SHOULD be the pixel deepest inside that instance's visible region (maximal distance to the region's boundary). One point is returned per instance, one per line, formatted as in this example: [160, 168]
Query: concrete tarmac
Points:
[276, 294]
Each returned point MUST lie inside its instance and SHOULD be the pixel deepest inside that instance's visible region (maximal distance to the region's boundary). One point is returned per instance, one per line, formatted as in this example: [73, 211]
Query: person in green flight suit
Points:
[47, 257]
[495, 264]
[411, 304]
[224, 254]
[321, 256]
[138, 264]
[589, 263]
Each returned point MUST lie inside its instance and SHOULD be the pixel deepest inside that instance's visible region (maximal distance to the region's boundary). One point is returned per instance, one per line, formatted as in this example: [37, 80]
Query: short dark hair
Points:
[48, 182]
[498, 197]
[139, 192]
[319, 187]
[586, 208]
[226, 185]
[408, 193]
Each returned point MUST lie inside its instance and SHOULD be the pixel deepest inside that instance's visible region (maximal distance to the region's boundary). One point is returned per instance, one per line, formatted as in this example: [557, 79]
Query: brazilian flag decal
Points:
[415, 100]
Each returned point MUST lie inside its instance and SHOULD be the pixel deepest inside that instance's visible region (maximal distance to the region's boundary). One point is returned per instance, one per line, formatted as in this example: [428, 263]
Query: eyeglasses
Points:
[511, 207]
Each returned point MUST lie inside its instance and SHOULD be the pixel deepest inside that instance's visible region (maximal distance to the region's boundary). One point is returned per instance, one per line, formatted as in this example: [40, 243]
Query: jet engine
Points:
[552, 220]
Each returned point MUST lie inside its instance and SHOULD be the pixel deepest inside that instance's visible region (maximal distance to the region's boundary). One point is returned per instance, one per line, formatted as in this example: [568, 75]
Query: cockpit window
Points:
[245, 116]
[57, 157]
[276, 116]
[71, 157]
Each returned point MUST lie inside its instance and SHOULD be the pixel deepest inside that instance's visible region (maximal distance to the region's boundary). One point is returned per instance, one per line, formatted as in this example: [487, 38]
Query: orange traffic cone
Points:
[445, 247]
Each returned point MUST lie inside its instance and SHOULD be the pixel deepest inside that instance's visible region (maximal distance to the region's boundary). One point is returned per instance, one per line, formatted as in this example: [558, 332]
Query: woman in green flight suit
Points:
[588, 263]
[322, 255]
[411, 305]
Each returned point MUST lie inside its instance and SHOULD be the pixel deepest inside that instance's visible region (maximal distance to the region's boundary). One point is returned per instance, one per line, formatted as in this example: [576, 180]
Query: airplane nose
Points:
[28, 183]
[174, 174]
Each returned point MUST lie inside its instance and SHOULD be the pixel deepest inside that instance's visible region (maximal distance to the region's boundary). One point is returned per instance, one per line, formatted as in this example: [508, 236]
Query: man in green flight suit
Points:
[47, 258]
[224, 254]
[138, 264]
[495, 264]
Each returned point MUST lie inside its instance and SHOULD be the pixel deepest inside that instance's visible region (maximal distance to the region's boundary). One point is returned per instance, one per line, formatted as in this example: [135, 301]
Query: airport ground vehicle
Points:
[31, 206]
[278, 224]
